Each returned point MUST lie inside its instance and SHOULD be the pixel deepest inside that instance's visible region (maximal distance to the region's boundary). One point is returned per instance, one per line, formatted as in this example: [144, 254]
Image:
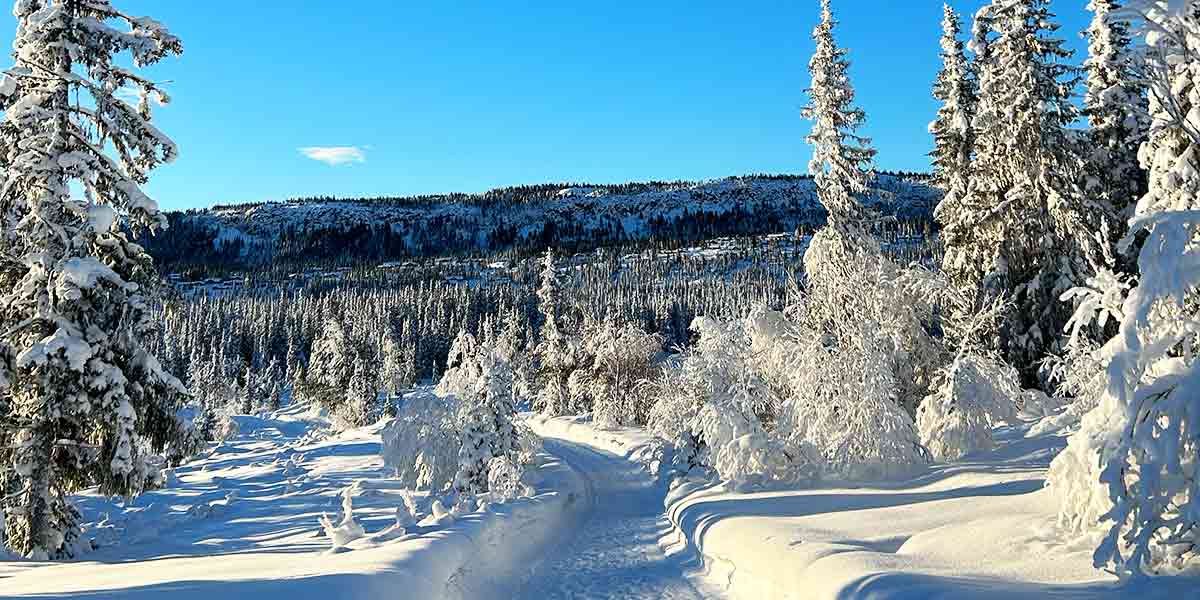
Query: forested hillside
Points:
[567, 217]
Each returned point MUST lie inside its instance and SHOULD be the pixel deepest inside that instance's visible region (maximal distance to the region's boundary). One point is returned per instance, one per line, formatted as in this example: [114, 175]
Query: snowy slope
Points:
[482, 222]
[976, 529]
[242, 523]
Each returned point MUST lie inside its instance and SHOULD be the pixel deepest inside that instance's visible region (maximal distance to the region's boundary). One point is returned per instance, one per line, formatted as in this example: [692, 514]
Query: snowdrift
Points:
[980, 528]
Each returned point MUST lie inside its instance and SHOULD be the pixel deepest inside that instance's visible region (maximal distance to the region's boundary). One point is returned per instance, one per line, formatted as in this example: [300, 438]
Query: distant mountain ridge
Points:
[531, 218]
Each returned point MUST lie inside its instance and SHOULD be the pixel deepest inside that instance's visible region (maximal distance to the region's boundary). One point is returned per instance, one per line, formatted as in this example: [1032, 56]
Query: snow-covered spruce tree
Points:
[841, 160]
[956, 90]
[482, 380]
[1115, 105]
[396, 373]
[857, 341]
[361, 405]
[1022, 231]
[1134, 464]
[84, 402]
[555, 356]
[331, 366]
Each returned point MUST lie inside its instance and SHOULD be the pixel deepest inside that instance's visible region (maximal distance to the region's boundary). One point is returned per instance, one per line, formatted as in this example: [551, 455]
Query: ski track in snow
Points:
[614, 552]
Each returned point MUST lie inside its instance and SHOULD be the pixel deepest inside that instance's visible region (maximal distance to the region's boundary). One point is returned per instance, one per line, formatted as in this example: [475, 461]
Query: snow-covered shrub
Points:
[480, 376]
[859, 357]
[718, 412]
[843, 403]
[1132, 468]
[973, 395]
[487, 421]
[744, 453]
[421, 443]
[1080, 373]
[406, 513]
[504, 479]
[622, 363]
[452, 438]
[345, 530]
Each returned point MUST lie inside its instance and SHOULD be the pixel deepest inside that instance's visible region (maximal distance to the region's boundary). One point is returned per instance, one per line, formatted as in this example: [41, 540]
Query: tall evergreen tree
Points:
[1115, 105]
[1133, 464]
[1027, 236]
[841, 161]
[553, 352]
[83, 399]
[953, 134]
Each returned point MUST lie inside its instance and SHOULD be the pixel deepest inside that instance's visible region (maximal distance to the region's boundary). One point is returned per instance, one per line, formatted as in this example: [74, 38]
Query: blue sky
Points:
[471, 95]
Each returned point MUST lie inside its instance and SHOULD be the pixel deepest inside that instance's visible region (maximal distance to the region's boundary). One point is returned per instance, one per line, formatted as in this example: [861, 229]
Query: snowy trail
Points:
[614, 552]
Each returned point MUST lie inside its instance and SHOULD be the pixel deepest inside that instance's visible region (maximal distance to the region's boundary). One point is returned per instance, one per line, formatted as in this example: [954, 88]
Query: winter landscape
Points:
[949, 353]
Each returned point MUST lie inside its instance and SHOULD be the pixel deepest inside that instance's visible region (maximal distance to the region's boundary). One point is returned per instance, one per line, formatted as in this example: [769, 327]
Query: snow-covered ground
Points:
[981, 528]
[243, 523]
[614, 550]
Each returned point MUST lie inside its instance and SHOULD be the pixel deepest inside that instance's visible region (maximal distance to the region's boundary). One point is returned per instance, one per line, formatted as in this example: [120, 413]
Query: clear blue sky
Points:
[470, 95]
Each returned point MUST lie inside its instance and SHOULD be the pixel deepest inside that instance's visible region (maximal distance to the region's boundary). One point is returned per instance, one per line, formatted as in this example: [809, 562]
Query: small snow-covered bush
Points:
[622, 362]
[719, 413]
[421, 443]
[345, 530]
[974, 394]
[449, 439]
[407, 512]
[504, 479]
[843, 403]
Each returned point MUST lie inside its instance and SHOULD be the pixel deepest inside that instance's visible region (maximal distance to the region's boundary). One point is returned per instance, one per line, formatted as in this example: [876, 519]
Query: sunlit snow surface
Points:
[981, 528]
[242, 522]
[614, 550]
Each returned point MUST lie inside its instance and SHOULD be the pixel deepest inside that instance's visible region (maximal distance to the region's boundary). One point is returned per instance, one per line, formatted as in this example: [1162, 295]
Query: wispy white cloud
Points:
[336, 155]
[133, 96]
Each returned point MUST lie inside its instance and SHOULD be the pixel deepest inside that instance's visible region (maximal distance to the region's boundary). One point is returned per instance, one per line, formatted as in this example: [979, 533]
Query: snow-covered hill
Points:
[549, 215]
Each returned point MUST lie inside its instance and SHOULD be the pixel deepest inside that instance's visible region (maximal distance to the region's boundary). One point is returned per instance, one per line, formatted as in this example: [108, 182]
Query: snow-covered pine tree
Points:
[953, 133]
[553, 351]
[331, 366]
[1021, 225]
[85, 401]
[841, 160]
[360, 406]
[248, 393]
[1133, 466]
[272, 389]
[394, 375]
[483, 382]
[956, 90]
[1115, 105]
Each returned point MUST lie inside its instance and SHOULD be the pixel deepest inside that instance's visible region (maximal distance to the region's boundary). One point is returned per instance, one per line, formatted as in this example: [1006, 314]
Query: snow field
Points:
[242, 522]
[979, 528]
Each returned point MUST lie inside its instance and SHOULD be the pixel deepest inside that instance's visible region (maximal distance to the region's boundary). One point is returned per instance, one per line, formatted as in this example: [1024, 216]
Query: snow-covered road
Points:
[614, 551]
